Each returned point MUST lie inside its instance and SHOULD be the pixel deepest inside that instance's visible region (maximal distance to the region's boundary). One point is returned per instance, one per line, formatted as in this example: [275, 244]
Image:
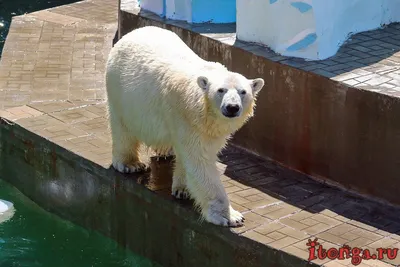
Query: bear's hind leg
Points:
[179, 189]
[125, 150]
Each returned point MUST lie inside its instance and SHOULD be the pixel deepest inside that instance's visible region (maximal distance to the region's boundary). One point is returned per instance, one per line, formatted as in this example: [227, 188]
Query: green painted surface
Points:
[34, 237]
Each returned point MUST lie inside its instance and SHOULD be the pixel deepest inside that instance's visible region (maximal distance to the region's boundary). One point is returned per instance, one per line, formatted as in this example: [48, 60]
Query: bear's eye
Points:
[220, 90]
[243, 92]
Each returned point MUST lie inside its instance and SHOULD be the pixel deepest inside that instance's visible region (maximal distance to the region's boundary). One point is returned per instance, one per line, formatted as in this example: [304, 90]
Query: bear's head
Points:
[230, 95]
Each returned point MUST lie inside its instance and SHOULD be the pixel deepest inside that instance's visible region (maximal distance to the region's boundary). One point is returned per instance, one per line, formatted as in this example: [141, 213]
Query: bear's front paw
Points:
[224, 217]
[130, 168]
[180, 192]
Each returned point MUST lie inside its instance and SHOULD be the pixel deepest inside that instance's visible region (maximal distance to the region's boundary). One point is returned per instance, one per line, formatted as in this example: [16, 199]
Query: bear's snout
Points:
[231, 110]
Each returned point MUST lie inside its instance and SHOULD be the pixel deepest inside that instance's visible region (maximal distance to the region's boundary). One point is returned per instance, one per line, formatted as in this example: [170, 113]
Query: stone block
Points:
[313, 30]
[202, 11]
[154, 6]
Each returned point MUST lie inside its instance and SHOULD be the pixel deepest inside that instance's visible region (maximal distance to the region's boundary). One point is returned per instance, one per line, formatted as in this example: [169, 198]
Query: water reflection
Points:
[34, 237]
[67, 192]
[77, 191]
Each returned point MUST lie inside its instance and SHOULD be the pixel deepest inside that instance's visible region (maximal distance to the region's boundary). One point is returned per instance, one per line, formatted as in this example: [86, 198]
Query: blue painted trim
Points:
[214, 11]
[302, 7]
[164, 11]
[164, 8]
[303, 43]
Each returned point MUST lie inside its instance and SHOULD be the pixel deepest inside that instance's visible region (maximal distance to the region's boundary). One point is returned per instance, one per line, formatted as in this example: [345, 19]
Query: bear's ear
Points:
[203, 83]
[257, 85]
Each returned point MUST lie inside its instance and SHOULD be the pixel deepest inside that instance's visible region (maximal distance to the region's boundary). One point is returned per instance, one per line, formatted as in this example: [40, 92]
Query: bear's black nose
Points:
[232, 109]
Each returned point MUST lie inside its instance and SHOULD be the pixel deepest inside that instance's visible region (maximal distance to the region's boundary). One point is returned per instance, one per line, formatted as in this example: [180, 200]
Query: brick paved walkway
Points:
[51, 82]
[368, 60]
[52, 56]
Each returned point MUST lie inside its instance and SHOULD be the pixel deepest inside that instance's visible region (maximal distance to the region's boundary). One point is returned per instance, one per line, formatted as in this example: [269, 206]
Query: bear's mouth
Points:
[230, 115]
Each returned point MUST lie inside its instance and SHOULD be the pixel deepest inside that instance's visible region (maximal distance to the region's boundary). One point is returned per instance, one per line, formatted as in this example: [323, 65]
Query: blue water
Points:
[33, 237]
[10, 8]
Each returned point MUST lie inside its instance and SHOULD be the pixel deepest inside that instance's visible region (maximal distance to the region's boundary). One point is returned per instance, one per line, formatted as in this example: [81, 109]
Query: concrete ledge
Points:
[344, 135]
[129, 210]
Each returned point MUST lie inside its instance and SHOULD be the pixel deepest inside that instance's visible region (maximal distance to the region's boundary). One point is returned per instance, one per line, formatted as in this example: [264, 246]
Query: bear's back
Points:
[159, 45]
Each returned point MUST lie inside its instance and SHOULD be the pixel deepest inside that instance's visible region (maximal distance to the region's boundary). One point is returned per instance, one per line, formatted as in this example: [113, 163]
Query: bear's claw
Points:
[180, 194]
[238, 222]
[132, 168]
[232, 219]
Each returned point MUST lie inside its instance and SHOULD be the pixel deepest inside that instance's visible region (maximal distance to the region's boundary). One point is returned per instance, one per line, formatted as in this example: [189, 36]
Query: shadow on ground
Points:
[285, 185]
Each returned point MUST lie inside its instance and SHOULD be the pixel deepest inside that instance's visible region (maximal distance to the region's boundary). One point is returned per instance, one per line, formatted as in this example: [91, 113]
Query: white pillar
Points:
[310, 29]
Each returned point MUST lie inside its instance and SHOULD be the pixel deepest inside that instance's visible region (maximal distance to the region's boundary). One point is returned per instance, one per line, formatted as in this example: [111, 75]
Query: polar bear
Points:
[161, 94]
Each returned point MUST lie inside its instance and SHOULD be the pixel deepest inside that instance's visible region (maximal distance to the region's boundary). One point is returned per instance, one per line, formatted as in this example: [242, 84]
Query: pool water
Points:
[33, 237]
[10, 8]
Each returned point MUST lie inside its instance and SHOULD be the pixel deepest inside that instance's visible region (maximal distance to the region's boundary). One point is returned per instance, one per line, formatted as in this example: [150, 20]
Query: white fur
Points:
[161, 94]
